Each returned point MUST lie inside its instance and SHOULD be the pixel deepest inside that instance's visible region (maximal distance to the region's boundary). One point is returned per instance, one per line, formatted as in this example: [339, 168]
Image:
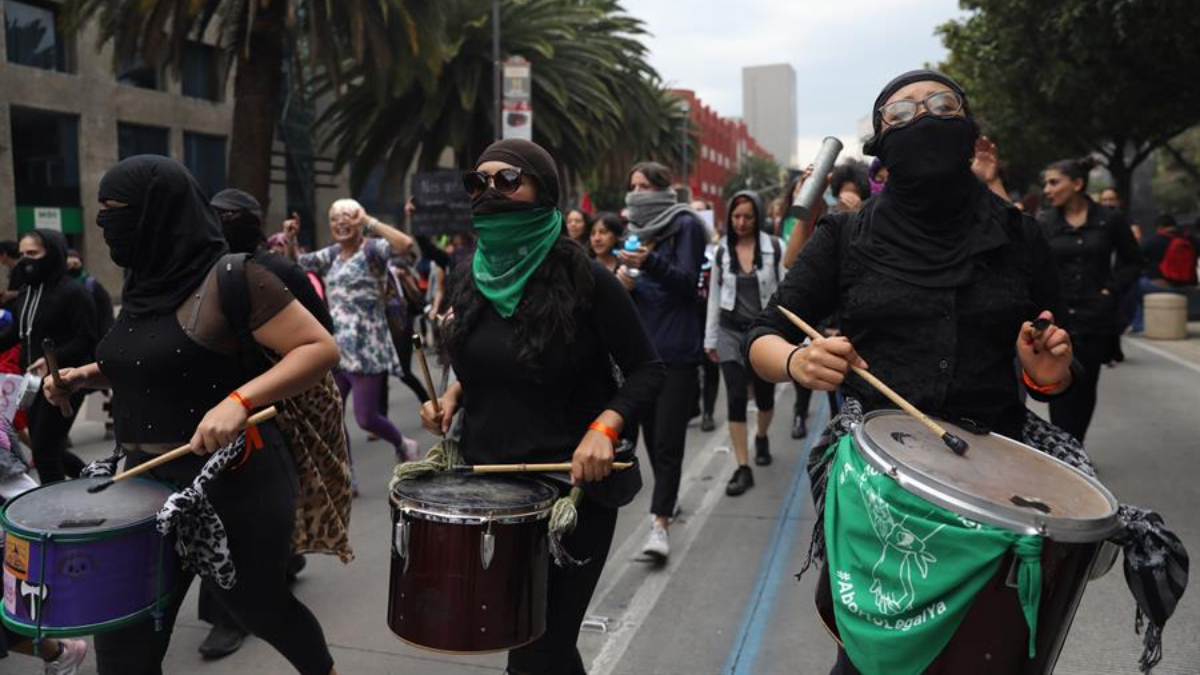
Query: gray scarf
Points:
[649, 213]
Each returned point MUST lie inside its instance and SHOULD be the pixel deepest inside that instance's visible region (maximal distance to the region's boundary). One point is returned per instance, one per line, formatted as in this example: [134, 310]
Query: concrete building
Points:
[65, 118]
[769, 107]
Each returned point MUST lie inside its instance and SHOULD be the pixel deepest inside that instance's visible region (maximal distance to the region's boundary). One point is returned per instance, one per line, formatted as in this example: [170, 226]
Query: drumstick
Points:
[257, 418]
[48, 352]
[524, 468]
[419, 347]
[958, 445]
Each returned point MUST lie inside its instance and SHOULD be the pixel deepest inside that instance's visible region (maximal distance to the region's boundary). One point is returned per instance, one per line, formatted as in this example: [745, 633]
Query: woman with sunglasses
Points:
[536, 328]
[935, 283]
[354, 268]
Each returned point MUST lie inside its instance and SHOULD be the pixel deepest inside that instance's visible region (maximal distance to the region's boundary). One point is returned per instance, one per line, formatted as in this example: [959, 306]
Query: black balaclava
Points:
[731, 236]
[933, 215]
[52, 266]
[241, 219]
[167, 237]
[533, 161]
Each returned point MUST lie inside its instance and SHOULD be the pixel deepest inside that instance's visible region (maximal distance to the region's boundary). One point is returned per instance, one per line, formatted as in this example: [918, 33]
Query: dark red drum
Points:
[1010, 485]
[470, 558]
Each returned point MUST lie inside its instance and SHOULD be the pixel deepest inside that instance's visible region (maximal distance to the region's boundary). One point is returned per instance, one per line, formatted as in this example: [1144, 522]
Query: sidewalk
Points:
[1188, 350]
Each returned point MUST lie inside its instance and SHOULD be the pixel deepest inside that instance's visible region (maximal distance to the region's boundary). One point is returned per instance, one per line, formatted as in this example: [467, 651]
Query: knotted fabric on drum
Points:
[904, 571]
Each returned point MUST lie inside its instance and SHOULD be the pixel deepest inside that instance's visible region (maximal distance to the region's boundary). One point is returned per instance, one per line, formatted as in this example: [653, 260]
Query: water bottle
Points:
[6, 319]
[632, 243]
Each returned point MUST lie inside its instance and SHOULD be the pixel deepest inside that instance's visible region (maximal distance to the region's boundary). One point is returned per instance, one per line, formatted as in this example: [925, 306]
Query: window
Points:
[199, 71]
[204, 156]
[45, 148]
[135, 139]
[32, 34]
[135, 72]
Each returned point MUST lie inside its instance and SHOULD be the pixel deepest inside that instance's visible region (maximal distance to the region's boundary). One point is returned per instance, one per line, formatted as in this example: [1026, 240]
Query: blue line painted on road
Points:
[757, 615]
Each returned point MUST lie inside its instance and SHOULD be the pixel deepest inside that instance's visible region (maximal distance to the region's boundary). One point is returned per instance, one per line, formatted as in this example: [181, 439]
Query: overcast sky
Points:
[843, 51]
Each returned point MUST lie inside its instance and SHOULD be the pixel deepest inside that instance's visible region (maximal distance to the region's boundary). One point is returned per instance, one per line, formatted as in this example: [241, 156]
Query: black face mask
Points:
[928, 151]
[16, 277]
[242, 233]
[492, 201]
[120, 226]
[75, 273]
[35, 269]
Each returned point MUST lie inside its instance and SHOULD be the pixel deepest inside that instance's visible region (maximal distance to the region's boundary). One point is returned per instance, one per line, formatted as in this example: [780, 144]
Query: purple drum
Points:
[79, 564]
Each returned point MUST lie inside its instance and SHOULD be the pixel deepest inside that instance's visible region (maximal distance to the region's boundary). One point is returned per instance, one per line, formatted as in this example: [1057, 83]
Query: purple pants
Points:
[367, 390]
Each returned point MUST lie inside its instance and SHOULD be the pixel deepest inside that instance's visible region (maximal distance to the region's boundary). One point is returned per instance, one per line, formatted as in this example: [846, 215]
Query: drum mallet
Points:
[51, 357]
[257, 418]
[958, 445]
[525, 468]
[419, 347]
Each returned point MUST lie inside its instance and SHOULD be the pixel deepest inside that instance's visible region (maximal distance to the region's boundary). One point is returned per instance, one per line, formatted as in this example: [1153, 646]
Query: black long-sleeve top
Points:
[516, 414]
[949, 351]
[1097, 263]
[61, 310]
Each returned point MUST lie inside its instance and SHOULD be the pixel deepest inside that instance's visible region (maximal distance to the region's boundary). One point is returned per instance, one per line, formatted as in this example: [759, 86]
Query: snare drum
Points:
[470, 561]
[78, 564]
[1009, 485]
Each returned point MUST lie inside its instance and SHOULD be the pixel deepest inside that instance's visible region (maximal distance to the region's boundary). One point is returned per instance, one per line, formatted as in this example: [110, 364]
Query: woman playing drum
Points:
[534, 325]
[934, 282]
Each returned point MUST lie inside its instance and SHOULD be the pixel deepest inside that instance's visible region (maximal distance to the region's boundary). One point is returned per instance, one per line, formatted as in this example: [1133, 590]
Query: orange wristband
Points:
[606, 430]
[242, 400]
[1039, 388]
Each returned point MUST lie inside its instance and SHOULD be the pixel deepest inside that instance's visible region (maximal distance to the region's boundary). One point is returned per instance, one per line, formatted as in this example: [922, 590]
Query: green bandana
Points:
[511, 246]
[904, 572]
[789, 224]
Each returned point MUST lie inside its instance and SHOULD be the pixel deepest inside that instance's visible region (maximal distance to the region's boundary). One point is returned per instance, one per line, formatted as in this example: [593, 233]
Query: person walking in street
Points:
[535, 331]
[1098, 261]
[746, 271]
[577, 225]
[662, 275]
[607, 231]
[355, 268]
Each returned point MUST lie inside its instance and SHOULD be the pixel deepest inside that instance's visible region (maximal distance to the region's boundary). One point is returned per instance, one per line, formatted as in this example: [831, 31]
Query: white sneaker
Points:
[657, 546]
[68, 662]
[410, 453]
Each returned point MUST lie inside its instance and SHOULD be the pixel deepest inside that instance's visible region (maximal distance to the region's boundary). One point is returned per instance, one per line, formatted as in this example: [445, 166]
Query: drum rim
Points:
[25, 532]
[966, 505]
[422, 509]
[32, 630]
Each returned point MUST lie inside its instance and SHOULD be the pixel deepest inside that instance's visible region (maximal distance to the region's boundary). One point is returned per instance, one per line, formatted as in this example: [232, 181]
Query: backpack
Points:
[1179, 262]
[311, 422]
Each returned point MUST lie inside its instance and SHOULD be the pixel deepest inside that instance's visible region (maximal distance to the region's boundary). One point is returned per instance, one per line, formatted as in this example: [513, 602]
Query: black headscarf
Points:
[178, 238]
[934, 215]
[51, 267]
[532, 159]
[241, 219]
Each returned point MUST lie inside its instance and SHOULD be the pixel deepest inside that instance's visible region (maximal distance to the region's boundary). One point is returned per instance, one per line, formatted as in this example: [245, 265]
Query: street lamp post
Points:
[687, 119]
[497, 70]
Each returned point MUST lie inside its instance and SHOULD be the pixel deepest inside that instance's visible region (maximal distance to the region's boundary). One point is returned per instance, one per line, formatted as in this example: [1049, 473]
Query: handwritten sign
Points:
[442, 204]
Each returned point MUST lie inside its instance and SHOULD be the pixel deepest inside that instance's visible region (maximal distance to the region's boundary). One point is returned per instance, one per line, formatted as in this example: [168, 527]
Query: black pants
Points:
[1072, 412]
[710, 386]
[402, 341]
[257, 505]
[738, 379]
[48, 429]
[664, 430]
[568, 594]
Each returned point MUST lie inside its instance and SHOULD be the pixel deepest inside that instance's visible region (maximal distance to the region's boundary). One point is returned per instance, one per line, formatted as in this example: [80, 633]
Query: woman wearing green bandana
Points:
[536, 328]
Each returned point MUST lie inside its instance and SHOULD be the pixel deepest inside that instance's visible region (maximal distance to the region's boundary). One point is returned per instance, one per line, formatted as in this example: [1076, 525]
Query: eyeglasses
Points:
[941, 104]
[506, 181]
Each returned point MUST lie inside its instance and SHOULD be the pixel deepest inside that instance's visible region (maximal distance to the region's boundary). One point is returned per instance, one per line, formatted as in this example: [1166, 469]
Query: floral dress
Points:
[354, 291]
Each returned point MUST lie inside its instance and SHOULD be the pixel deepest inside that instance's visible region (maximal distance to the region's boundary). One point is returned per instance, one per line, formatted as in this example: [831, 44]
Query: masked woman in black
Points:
[934, 284]
[534, 326]
[51, 305]
[171, 363]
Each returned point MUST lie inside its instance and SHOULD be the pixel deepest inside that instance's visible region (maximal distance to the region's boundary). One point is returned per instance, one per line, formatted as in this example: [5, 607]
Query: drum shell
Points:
[91, 583]
[441, 596]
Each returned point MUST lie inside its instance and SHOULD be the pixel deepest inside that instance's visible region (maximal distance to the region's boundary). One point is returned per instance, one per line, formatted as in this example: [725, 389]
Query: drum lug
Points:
[400, 540]
[487, 546]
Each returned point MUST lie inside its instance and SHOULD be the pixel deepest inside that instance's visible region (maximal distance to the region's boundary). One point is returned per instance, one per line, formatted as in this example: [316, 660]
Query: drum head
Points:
[998, 481]
[68, 509]
[475, 494]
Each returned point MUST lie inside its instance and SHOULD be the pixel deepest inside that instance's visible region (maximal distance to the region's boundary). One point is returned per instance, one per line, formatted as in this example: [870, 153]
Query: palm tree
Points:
[259, 36]
[592, 90]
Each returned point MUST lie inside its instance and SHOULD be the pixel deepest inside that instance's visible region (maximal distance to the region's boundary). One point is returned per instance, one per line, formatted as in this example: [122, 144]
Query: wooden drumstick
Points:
[525, 468]
[419, 347]
[257, 418]
[51, 356]
[958, 445]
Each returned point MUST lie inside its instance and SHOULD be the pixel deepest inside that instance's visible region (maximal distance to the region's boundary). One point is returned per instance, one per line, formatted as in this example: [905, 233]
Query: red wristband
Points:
[242, 400]
[1039, 388]
[606, 430]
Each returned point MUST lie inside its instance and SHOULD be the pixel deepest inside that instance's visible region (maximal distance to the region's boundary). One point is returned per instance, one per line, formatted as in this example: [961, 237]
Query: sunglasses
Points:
[506, 182]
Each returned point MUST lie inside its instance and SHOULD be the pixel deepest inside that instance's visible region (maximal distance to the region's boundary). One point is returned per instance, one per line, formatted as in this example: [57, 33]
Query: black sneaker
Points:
[743, 479]
[222, 641]
[799, 427]
[762, 450]
[707, 423]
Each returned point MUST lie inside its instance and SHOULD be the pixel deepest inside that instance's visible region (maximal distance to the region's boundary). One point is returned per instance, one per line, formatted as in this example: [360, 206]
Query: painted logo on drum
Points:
[76, 565]
[901, 551]
[16, 556]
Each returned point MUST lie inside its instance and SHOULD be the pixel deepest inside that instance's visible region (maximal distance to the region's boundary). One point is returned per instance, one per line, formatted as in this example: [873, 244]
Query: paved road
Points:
[728, 602]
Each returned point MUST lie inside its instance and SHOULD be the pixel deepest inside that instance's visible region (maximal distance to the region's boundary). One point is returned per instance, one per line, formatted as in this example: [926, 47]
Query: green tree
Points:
[1061, 79]
[1176, 182]
[257, 36]
[594, 94]
[761, 174]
